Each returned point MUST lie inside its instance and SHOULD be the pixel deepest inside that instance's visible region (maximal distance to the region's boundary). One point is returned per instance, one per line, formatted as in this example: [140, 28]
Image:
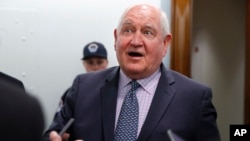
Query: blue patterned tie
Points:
[127, 125]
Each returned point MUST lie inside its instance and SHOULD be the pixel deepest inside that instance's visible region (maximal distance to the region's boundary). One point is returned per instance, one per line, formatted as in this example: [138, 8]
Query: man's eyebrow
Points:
[149, 26]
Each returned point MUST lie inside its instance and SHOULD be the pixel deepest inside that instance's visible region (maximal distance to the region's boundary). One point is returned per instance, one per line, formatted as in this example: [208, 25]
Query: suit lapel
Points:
[163, 95]
[108, 101]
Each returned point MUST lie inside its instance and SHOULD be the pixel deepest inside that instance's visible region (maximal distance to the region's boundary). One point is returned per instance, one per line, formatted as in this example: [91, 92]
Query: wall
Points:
[41, 41]
[218, 56]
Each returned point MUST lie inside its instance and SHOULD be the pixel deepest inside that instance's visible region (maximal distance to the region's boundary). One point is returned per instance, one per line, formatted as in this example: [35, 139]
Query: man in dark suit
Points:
[160, 99]
[21, 117]
[9, 79]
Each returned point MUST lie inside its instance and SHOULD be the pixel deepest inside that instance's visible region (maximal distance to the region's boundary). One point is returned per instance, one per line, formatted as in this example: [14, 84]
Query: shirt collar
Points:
[145, 82]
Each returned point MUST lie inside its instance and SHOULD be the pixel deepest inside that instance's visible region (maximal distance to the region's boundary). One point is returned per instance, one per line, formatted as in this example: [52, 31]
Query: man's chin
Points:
[134, 68]
[134, 72]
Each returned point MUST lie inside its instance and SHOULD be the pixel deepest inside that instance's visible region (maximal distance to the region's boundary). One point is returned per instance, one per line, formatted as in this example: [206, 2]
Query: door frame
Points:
[181, 32]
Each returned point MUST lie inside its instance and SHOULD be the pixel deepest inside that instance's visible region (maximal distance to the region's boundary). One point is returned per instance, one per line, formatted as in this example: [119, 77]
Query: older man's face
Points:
[139, 42]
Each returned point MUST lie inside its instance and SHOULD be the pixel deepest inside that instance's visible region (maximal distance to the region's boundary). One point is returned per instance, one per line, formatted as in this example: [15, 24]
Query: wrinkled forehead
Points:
[142, 12]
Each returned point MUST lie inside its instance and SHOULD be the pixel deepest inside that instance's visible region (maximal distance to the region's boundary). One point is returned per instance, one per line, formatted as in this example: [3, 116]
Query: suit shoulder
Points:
[180, 78]
[12, 80]
[99, 75]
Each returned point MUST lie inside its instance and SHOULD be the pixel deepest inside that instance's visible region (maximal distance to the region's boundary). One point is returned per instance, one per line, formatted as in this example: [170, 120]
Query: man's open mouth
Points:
[135, 54]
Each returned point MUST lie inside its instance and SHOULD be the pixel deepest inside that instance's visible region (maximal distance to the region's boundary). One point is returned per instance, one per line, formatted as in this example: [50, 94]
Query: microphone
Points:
[66, 126]
[173, 136]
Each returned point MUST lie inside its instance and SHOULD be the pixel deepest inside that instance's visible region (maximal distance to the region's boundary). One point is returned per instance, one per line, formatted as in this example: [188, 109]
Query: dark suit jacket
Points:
[21, 117]
[9, 79]
[179, 104]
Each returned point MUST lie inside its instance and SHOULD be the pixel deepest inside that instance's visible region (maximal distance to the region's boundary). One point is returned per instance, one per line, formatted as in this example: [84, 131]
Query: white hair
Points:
[163, 19]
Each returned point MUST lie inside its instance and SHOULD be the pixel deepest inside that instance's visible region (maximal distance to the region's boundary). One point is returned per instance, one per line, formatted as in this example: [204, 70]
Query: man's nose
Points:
[136, 39]
[95, 66]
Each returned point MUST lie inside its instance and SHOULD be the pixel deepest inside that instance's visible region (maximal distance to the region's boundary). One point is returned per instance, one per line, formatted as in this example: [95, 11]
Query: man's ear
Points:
[166, 43]
[115, 37]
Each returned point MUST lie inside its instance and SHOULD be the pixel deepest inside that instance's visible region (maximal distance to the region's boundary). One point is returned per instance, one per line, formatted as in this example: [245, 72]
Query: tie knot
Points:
[134, 84]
